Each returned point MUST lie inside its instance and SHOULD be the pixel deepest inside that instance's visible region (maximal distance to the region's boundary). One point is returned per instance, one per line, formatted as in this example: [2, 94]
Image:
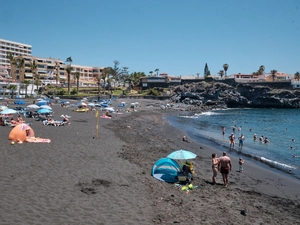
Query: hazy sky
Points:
[176, 36]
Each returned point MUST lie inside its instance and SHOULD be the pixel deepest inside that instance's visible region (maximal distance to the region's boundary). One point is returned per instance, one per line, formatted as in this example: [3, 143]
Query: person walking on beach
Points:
[241, 162]
[241, 140]
[214, 163]
[224, 166]
[231, 140]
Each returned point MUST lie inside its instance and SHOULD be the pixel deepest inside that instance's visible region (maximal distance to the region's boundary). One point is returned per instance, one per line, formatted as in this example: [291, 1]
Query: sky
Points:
[175, 36]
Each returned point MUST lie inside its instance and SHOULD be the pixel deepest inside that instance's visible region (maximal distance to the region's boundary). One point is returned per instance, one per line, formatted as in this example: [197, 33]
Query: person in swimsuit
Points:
[224, 166]
[214, 163]
[231, 139]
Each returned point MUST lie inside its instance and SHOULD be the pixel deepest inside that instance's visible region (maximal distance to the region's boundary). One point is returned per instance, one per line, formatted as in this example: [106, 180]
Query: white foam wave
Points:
[276, 163]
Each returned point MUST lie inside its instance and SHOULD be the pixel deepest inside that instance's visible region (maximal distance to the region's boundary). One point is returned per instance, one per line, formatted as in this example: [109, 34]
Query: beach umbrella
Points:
[8, 111]
[82, 104]
[19, 102]
[33, 106]
[182, 155]
[41, 111]
[40, 103]
[2, 107]
[45, 107]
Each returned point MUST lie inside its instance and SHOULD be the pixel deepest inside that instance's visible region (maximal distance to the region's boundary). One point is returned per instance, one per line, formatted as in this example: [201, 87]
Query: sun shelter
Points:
[18, 133]
[166, 169]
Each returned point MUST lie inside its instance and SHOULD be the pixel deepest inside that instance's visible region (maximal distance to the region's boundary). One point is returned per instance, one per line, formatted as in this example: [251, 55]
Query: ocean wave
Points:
[275, 163]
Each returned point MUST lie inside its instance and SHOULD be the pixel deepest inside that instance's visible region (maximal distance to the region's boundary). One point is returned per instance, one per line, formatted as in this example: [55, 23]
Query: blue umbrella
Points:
[8, 111]
[41, 111]
[182, 155]
[20, 102]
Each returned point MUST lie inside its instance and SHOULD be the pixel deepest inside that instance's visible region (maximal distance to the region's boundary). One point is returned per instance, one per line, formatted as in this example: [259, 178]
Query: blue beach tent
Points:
[166, 169]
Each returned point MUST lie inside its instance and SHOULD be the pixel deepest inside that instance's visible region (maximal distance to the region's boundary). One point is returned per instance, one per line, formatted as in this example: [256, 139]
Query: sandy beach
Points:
[79, 179]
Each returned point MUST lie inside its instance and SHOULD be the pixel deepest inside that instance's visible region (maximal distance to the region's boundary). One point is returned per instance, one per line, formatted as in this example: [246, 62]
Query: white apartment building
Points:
[16, 48]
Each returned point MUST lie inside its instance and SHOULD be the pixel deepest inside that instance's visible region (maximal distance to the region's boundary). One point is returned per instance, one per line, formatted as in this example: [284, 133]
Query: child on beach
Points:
[241, 162]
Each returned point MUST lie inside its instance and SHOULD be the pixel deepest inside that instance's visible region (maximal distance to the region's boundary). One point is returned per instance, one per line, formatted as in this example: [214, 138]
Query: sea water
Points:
[280, 126]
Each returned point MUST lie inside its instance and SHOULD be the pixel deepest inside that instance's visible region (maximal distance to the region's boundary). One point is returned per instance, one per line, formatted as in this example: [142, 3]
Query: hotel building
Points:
[16, 48]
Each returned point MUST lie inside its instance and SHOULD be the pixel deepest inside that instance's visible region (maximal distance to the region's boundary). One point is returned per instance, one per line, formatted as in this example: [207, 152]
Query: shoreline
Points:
[78, 179]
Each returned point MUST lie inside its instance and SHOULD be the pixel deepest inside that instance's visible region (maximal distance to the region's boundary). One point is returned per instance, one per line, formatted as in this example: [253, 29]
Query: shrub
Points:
[74, 91]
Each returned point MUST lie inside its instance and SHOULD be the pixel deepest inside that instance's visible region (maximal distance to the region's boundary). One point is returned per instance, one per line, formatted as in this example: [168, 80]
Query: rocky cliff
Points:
[215, 94]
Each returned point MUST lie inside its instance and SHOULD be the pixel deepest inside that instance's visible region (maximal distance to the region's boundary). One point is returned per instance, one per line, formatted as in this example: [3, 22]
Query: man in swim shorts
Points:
[224, 167]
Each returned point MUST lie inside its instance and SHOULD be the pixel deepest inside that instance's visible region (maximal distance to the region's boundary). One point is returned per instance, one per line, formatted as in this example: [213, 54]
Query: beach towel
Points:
[38, 140]
[105, 117]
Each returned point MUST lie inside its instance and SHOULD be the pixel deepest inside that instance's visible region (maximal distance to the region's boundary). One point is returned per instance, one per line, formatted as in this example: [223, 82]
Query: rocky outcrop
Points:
[216, 94]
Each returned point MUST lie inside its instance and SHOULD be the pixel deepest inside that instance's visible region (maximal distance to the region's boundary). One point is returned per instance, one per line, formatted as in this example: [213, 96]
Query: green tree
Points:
[12, 62]
[116, 71]
[273, 73]
[77, 76]
[221, 73]
[69, 70]
[151, 72]
[26, 84]
[20, 64]
[12, 88]
[206, 70]
[297, 76]
[156, 70]
[261, 70]
[57, 67]
[225, 66]
[33, 67]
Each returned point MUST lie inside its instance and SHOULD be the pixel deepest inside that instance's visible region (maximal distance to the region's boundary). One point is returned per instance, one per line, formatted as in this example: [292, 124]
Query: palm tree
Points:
[12, 88]
[26, 84]
[297, 76]
[151, 72]
[12, 61]
[69, 69]
[156, 70]
[225, 66]
[33, 67]
[273, 73]
[77, 76]
[261, 70]
[20, 64]
[57, 67]
[221, 73]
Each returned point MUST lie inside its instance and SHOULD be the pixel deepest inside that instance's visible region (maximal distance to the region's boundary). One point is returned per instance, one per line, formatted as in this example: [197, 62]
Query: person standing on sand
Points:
[241, 162]
[214, 163]
[224, 166]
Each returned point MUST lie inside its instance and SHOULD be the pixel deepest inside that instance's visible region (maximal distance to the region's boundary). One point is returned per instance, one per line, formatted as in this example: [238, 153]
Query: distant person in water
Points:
[254, 137]
[261, 138]
[266, 140]
[231, 140]
[223, 131]
[241, 140]
[233, 128]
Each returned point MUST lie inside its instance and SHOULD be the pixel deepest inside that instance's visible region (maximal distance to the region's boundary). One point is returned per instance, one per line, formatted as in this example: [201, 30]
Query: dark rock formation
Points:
[216, 94]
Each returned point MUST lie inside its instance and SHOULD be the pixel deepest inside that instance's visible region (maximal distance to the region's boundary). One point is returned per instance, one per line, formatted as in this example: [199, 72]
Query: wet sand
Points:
[79, 179]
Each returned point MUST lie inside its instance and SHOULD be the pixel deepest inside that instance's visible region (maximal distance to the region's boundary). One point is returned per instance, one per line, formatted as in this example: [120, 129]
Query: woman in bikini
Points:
[214, 162]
